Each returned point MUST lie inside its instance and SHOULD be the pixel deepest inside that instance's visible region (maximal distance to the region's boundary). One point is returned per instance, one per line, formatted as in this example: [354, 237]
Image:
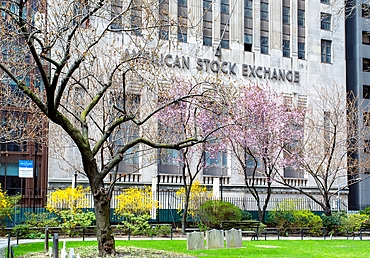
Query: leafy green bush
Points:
[307, 219]
[332, 223]
[246, 215]
[352, 222]
[71, 220]
[366, 211]
[33, 220]
[138, 224]
[213, 212]
[286, 217]
[41, 220]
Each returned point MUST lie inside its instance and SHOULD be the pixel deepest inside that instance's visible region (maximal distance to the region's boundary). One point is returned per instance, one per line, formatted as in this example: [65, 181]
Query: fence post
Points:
[55, 245]
[46, 244]
[8, 245]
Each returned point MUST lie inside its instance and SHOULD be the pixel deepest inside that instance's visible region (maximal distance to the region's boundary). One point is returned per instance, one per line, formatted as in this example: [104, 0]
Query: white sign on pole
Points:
[25, 168]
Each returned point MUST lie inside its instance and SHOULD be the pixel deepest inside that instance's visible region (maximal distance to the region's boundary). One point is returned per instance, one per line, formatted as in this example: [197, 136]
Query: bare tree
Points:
[334, 134]
[99, 67]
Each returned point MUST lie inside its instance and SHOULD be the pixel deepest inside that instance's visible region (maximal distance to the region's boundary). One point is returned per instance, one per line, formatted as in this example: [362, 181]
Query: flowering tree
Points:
[263, 129]
[203, 117]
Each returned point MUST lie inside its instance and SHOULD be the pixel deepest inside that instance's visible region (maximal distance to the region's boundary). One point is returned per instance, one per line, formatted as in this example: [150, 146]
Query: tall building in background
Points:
[358, 81]
[23, 133]
[294, 46]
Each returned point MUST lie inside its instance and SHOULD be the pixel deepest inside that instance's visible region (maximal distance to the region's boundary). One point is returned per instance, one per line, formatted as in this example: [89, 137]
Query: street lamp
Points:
[339, 189]
[347, 183]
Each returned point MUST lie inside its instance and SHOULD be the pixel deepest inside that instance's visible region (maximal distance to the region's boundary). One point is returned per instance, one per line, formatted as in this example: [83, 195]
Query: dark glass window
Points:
[366, 37]
[366, 64]
[325, 21]
[301, 50]
[265, 11]
[325, 51]
[264, 45]
[301, 18]
[286, 48]
[286, 15]
[366, 91]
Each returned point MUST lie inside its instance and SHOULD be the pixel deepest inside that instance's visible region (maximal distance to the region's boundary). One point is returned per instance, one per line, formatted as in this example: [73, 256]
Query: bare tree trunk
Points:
[102, 197]
[185, 213]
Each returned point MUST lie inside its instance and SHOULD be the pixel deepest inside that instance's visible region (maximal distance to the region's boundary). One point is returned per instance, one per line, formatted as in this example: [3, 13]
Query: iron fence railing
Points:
[169, 205]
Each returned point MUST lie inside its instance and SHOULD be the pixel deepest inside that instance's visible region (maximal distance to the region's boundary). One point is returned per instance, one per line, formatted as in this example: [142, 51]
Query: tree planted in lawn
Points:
[93, 82]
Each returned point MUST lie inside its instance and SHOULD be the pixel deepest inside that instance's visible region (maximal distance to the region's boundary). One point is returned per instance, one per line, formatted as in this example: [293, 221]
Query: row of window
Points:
[225, 13]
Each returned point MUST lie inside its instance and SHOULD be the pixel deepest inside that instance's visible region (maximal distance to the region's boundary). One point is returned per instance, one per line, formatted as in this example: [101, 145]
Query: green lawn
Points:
[270, 248]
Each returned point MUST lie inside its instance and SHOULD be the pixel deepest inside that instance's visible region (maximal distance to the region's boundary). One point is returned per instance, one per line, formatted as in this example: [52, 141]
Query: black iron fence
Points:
[170, 205]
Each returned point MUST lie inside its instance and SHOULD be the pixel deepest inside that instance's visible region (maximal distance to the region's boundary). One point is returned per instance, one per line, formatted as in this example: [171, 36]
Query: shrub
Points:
[366, 211]
[41, 220]
[198, 195]
[246, 215]
[138, 224]
[67, 204]
[351, 222]
[307, 219]
[7, 206]
[134, 206]
[286, 216]
[332, 223]
[213, 212]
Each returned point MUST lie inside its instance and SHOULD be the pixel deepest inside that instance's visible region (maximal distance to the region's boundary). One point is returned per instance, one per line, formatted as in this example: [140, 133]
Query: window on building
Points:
[164, 26]
[365, 11]
[366, 37]
[286, 15]
[325, 1]
[248, 25]
[366, 64]
[136, 17]
[286, 48]
[264, 45]
[182, 16]
[207, 22]
[248, 8]
[367, 146]
[366, 117]
[264, 11]
[301, 17]
[116, 16]
[325, 21]
[224, 23]
[366, 91]
[325, 51]
[80, 10]
[301, 51]
[247, 42]
[215, 165]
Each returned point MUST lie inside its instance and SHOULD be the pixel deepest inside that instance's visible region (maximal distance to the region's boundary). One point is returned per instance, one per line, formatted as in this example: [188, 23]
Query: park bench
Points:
[248, 227]
[271, 231]
[364, 229]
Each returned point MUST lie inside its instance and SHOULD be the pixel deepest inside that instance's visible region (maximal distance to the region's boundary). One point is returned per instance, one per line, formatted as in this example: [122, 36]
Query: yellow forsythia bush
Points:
[137, 201]
[69, 198]
[7, 205]
[198, 195]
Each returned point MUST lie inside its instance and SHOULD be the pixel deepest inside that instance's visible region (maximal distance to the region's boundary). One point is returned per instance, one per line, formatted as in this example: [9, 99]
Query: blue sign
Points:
[25, 168]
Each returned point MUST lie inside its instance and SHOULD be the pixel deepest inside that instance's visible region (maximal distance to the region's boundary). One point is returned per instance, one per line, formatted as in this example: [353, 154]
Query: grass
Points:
[262, 248]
